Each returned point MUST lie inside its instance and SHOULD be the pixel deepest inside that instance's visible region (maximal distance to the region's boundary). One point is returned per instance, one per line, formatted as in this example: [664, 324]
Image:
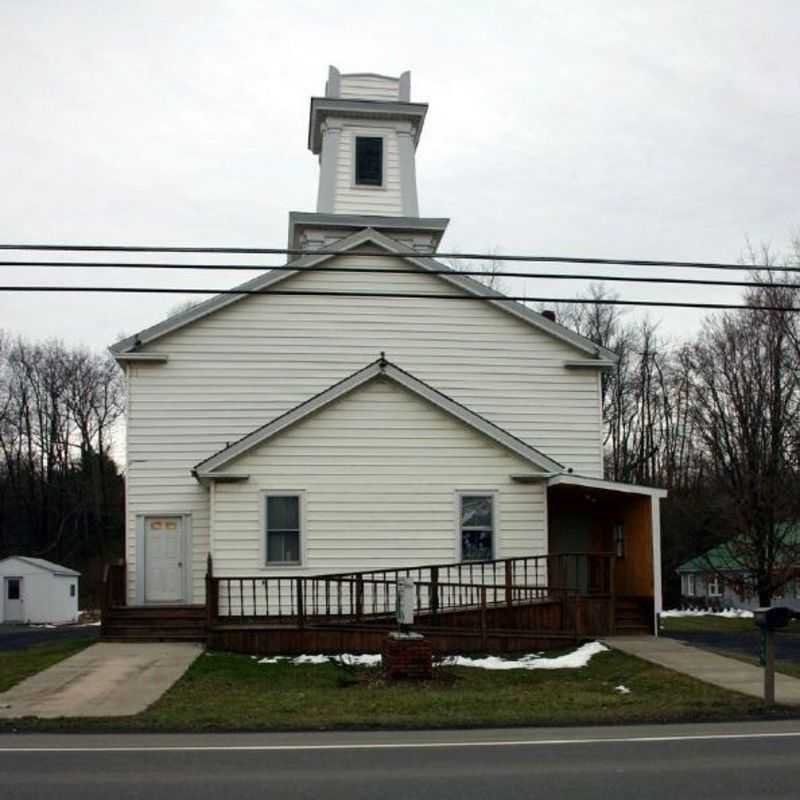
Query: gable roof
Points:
[49, 566]
[366, 236]
[385, 369]
[723, 558]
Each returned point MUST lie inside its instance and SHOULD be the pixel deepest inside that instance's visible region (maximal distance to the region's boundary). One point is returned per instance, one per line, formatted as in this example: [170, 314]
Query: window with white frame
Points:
[283, 528]
[687, 589]
[477, 527]
[369, 161]
[712, 586]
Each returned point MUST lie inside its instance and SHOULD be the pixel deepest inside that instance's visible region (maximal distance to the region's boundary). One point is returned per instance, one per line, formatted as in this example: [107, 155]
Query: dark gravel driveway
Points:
[746, 643]
[17, 637]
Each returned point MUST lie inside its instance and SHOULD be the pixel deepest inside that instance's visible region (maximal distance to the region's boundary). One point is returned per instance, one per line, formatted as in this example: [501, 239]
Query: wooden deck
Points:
[504, 606]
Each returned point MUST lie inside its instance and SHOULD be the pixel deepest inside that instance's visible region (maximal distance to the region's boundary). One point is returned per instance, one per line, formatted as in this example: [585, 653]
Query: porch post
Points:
[655, 527]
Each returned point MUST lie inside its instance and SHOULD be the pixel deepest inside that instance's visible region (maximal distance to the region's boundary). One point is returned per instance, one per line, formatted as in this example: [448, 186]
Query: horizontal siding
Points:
[369, 87]
[234, 370]
[401, 509]
[349, 199]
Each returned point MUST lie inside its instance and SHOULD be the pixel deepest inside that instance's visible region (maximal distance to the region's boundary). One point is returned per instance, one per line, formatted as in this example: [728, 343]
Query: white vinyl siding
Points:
[378, 469]
[240, 367]
[387, 199]
[369, 87]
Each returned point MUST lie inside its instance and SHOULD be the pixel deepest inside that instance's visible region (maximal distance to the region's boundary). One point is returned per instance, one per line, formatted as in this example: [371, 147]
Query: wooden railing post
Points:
[483, 618]
[359, 597]
[434, 598]
[211, 593]
[509, 582]
[300, 607]
[612, 601]
[105, 603]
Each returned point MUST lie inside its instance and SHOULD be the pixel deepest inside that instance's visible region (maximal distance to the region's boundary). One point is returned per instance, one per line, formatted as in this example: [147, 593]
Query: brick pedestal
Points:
[407, 656]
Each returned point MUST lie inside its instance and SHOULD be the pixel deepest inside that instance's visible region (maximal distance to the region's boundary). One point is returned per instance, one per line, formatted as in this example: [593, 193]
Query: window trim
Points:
[354, 154]
[494, 494]
[8, 581]
[301, 547]
[713, 580]
[691, 584]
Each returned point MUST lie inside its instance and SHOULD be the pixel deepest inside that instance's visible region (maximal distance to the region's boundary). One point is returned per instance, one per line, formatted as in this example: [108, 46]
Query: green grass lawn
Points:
[16, 665]
[223, 692]
[724, 624]
[706, 623]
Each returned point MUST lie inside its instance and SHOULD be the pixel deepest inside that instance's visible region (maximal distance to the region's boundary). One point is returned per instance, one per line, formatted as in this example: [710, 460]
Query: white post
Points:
[405, 602]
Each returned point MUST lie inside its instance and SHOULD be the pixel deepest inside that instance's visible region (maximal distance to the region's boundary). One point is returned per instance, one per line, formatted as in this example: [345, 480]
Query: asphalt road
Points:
[17, 637]
[746, 643]
[653, 763]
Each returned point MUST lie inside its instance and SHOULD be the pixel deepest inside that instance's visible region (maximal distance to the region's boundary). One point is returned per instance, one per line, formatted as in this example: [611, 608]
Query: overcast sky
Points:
[666, 130]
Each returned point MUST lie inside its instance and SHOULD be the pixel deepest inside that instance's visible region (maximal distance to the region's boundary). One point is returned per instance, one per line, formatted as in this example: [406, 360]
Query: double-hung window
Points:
[283, 528]
[712, 586]
[477, 527]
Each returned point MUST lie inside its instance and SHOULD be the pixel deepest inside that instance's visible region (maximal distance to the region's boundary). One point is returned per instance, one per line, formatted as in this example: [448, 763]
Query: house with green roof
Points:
[717, 579]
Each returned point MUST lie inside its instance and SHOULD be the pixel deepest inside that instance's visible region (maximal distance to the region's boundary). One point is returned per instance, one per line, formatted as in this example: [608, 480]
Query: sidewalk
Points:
[728, 673]
[108, 679]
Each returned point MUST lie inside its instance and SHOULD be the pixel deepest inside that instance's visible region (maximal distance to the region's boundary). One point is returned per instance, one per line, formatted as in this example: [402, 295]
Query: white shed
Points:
[35, 590]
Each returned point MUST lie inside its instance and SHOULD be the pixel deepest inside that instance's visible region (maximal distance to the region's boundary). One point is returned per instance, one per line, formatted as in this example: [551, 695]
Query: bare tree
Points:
[746, 406]
[488, 272]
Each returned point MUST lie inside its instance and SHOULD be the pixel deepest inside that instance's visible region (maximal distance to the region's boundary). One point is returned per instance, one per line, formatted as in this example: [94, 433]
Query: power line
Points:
[625, 262]
[395, 295]
[391, 270]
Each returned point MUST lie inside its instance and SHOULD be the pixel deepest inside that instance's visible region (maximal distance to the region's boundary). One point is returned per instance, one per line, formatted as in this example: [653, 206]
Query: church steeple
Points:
[365, 132]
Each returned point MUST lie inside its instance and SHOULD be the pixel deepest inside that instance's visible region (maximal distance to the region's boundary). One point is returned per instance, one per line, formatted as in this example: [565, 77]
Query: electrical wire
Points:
[630, 262]
[391, 270]
[396, 295]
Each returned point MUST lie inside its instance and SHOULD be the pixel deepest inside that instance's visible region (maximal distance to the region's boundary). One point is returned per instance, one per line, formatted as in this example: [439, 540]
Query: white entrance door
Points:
[163, 552]
[13, 610]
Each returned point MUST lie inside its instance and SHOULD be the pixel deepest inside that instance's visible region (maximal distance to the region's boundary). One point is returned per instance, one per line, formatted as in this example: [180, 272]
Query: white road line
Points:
[399, 745]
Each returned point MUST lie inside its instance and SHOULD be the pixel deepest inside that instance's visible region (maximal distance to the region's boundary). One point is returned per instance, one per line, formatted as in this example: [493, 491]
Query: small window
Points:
[690, 585]
[283, 529]
[369, 161]
[13, 588]
[72, 590]
[619, 540]
[477, 527]
[712, 586]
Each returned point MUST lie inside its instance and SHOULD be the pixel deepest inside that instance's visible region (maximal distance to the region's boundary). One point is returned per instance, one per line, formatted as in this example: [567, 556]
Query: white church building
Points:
[330, 420]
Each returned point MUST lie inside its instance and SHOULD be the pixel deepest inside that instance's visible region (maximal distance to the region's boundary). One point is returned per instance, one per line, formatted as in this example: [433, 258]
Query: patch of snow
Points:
[574, 660]
[348, 659]
[728, 613]
[622, 689]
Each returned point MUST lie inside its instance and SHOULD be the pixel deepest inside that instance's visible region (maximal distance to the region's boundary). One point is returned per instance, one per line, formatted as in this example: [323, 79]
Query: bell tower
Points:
[365, 132]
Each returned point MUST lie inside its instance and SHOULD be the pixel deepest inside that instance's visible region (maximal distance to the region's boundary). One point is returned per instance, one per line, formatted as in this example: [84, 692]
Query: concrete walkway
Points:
[728, 673]
[108, 679]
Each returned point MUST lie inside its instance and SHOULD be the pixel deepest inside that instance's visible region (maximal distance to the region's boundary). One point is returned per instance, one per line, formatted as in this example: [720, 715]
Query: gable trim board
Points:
[381, 368]
[368, 235]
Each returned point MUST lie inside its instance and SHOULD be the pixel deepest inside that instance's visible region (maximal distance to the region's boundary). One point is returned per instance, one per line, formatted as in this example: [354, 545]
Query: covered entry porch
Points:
[620, 523]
